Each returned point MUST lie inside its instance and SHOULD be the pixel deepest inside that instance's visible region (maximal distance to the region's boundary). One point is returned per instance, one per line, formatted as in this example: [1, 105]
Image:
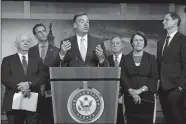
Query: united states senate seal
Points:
[85, 105]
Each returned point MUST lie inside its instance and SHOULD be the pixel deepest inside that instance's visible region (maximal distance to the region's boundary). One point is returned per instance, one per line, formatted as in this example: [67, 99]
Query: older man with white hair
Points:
[21, 73]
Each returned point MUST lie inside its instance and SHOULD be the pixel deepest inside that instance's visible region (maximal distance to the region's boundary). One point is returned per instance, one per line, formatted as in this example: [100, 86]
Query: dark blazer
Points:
[12, 73]
[121, 64]
[111, 62]
[73, 56]
[52, 58]
[137, 76]
[172, 66]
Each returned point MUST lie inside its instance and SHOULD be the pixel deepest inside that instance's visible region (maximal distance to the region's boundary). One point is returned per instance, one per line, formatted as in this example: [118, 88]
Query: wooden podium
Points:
[85, 94]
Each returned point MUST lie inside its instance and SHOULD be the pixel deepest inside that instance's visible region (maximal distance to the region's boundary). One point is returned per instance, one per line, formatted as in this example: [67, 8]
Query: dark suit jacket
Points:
[73, 56]
[121, 64]
[172, 66]
[137, 76]
[52, 58]
[12, 73]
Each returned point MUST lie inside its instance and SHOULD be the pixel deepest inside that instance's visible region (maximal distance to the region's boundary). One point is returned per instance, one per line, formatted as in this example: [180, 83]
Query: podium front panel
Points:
[61, 91]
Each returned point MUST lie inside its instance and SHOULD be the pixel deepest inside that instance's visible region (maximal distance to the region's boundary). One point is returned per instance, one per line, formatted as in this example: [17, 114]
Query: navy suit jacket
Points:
[73, 56]
[12, 73]
[52, 59]
[137, 76]
[172, 65]
[121, 64]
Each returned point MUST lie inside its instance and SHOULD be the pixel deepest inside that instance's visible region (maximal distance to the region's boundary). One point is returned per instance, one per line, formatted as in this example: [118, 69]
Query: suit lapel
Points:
[111, 61]
[172, 43]
[49, 53]
[143, 60]
[30, 62]
[161, 45]
[75, 47]
[121, 61]
[18, 64]
[36, 50]
[174, 39]
[89, 45]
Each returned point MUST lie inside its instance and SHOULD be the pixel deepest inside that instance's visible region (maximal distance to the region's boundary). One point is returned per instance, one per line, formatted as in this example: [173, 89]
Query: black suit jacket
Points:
[73, 56]
[52, 59]
[172, 66]
[121, 64]
[52, 56]
[12, 73]
[137, 76]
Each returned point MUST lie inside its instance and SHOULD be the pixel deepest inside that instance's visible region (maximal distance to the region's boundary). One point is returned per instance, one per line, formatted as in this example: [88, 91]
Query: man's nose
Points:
[86, 24]
[26, 43]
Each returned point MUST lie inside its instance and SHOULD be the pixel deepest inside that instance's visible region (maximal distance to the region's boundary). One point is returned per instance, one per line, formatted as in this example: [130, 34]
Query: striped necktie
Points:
[116, 61]
[24, 64]
[43, 52]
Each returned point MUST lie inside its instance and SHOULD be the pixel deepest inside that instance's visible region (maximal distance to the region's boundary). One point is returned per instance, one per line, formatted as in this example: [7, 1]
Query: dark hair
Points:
[140, 34]
[37, 25]
[175, 16]
[78, 15]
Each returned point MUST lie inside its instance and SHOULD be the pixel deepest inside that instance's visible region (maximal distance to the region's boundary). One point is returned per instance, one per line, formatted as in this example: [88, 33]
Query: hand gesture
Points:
[27, 93]
[99, 52]
[135, 92]
[137, 99]
[65, 46]
[23, 86]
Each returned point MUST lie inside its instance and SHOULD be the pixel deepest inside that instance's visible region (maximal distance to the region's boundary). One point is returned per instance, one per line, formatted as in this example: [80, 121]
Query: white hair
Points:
[21, 35]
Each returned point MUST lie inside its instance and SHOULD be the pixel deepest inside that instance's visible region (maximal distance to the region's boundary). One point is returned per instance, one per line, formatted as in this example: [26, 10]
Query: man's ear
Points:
[35, 36]
[176, 21]
[75, 25]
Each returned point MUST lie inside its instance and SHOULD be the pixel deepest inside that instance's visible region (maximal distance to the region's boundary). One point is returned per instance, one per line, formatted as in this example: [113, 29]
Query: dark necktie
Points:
[116, 61]
[43, 52]
[166, 43]
[24, 64]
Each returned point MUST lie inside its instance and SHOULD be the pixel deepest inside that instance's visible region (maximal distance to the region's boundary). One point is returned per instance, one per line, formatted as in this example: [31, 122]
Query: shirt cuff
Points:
[101, 61]
[61, 56]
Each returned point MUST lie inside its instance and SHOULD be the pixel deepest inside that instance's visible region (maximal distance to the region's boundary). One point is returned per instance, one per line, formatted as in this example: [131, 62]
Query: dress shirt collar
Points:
[79, 37]
[46, 45]
[119, 57]
[85, 40]
[172, 34]
[21, 58]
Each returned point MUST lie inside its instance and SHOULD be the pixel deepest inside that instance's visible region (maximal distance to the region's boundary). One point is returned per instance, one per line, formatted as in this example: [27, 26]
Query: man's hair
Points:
[115, 37]
[140, 33]
[175, 16]
[37, 25]
[19, 37]
[78, 15]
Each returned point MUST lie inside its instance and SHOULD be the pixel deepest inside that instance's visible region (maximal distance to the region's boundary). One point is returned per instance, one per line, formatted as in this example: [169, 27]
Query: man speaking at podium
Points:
[82, 49]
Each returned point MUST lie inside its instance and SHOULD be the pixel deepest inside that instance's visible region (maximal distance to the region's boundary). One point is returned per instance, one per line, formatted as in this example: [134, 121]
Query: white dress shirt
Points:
[171, 36]
[40, 48]
[79, 40]
[119, 57]
[120, 100]
[21, 58]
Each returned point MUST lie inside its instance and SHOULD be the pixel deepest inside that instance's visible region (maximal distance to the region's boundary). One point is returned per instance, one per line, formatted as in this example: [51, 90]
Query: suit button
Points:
[137, 76]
